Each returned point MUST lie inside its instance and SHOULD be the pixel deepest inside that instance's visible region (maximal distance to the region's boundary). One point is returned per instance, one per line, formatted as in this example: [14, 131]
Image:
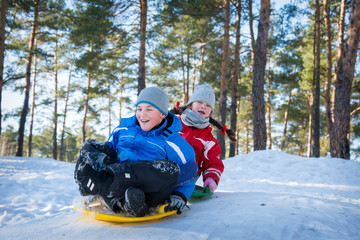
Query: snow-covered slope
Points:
[262, 195]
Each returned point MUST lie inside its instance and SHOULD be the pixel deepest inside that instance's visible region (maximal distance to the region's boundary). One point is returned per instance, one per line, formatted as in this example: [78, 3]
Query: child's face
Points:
[148, 116]
[201, 108]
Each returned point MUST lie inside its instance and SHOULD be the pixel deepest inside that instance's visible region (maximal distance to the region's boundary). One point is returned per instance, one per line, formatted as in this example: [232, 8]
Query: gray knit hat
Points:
[203, 93]
[155, 97]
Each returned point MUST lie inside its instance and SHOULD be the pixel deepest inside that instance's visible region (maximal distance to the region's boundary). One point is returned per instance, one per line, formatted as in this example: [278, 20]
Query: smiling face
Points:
[148, 116]
[201, 108]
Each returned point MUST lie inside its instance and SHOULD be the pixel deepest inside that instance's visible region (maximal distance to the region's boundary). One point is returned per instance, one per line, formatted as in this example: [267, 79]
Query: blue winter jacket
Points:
[131, 143]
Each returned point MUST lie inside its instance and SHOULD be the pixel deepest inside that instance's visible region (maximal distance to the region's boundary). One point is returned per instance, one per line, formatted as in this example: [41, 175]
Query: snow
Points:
[262, 195]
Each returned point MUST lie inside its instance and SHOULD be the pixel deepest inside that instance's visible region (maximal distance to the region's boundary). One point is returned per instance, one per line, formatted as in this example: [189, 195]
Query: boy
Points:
[144, 162]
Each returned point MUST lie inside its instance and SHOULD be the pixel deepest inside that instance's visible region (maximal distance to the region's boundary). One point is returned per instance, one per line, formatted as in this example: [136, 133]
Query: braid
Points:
[230, 133]
[215, 123]
[178, 110]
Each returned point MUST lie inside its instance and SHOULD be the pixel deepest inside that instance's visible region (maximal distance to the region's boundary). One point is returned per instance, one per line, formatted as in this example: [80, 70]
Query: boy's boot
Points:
[134, 202]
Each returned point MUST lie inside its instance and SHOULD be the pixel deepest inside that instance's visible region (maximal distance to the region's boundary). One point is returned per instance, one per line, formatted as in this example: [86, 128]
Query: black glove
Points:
[90, 181]
[177, 202]
[97, 154]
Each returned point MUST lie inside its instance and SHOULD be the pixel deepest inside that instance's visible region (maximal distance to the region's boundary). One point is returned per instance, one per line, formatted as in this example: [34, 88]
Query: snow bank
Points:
[262, 195]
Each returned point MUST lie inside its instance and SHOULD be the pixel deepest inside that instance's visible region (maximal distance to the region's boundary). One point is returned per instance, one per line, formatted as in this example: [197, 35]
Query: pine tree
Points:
[258, 78]
[234, 98]
[32, 111]
[328, 82]
[62, 139]
[143, 22]
[340, 132]
[316, 83]
[25, 109]
[92, 36]
[3, 9]
[224, 78]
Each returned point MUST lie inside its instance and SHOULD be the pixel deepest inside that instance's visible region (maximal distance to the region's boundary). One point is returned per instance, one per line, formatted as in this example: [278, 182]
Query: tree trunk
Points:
[247, 141]
[341, 127]
[25, 109]
[268, 96]
[251, 20]
[3, 7]
[193, 77]
[316, 132]
[32, 108]
[237, 141]
[143, 21]
[341, 31]
[311, 103]
[285, 123]
[201, 62]
[121, 98]
[86, 106]
[327, 87]
[224, 78]
[188, 65]
[310, 135]
[109, 107]
[234, 98]
[183, 72]
[54, 150]
[62, 148]
[258, 77]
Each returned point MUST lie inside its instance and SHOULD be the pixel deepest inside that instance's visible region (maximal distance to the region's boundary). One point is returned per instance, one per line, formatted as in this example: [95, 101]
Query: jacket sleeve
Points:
[212, 164]
[181, 152]
[114, 136]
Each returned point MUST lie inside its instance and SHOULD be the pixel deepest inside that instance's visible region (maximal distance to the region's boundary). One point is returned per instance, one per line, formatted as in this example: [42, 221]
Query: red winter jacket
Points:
[207, 151]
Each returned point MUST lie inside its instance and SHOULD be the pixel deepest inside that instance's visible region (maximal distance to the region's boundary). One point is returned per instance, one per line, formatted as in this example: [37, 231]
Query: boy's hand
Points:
[176, 203]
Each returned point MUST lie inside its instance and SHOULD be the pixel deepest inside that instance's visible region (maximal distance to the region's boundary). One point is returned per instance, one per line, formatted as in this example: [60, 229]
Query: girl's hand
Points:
[209, 181]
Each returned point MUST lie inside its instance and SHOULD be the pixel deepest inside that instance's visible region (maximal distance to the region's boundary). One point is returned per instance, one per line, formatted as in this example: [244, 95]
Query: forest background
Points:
[284, 72]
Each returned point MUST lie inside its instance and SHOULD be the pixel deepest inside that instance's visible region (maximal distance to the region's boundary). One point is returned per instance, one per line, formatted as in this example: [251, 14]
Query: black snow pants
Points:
[157, 179]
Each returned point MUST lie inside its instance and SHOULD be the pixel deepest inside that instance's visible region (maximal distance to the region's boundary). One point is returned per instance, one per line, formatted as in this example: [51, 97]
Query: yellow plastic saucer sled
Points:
[90, 210]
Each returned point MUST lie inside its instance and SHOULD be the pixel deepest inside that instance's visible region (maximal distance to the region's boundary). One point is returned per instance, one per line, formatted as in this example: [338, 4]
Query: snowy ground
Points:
[262, 195]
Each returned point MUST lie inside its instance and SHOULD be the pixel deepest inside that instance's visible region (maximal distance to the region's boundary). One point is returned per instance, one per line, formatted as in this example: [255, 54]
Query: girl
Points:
[195, 118]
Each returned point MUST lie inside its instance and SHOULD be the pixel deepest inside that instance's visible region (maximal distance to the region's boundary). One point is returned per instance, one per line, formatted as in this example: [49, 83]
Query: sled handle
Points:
[162, 208]
[207, 189]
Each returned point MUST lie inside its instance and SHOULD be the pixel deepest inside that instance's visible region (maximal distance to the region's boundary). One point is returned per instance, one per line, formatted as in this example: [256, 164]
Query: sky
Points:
[262, 195]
